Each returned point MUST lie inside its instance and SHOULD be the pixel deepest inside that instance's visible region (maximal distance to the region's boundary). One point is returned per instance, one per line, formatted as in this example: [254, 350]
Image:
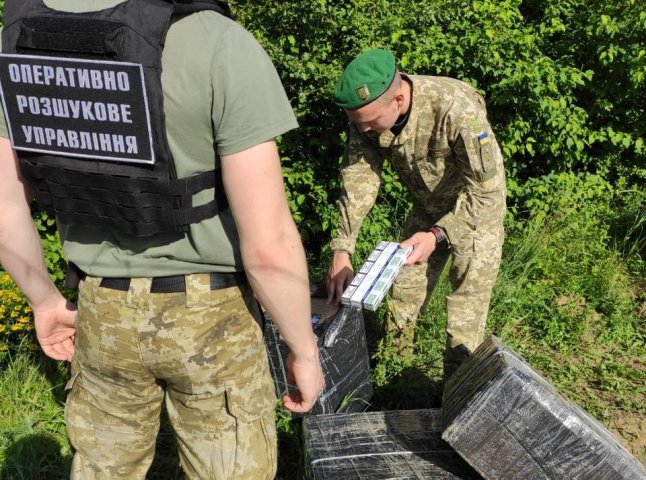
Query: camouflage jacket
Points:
[446, 155]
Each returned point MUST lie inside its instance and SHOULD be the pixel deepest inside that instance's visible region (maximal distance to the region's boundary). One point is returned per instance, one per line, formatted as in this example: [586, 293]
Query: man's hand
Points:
[423, 244]
[339, 276]
[55, 329]
[307, 375]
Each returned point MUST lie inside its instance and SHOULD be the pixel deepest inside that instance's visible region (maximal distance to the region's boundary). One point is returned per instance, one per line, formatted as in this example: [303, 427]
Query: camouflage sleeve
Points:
[482, 203]
[361, 175]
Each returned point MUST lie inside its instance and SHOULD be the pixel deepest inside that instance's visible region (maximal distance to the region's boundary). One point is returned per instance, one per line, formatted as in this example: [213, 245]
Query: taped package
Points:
[402, 444]
[509, 423]
[343, 353]
[370, 284]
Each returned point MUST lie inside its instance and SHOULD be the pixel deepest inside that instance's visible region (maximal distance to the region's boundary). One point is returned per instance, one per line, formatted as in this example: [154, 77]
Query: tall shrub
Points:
[549, 72]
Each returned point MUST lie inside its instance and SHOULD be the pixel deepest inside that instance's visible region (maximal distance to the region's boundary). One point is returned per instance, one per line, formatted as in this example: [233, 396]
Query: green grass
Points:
[569, 300]
[33, 443]
[572, 305]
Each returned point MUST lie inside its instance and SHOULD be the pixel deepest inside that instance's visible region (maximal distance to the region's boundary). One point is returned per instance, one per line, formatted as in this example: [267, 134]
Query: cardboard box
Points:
[508, 422]
[402, 444]
[344, 358]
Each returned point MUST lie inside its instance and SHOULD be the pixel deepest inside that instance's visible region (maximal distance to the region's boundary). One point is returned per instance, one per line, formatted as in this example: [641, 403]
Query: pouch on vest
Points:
[84, 104]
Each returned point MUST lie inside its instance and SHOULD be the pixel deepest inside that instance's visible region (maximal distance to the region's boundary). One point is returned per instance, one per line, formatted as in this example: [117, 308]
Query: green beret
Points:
[365, 79]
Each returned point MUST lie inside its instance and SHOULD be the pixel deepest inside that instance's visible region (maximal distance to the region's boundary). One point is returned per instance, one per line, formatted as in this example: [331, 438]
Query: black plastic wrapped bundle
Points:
[510, 423]
[403, 444]
[344, 359]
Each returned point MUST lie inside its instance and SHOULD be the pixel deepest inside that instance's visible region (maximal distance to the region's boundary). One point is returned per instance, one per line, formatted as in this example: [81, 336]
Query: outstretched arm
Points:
[21, 256]
[274, 260]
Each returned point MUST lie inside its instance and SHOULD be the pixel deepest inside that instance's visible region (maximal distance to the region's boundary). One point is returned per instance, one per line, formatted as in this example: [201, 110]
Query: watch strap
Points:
[442, 242]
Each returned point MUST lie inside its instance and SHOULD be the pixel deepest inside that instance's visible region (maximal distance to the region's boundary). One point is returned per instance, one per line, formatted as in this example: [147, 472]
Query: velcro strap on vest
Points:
[189, 186]
[197, 214]
[140, 229]
[97, 209]
[195, 183]
[65, 35]
[110, 190]
[95, 181]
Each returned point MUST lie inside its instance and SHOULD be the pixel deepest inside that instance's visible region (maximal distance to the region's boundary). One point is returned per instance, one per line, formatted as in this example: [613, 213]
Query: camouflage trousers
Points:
[200, 351]
[472, 274]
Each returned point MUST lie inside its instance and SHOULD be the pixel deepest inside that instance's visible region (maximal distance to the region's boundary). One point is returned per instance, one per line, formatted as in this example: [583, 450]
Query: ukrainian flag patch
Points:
[483, 138]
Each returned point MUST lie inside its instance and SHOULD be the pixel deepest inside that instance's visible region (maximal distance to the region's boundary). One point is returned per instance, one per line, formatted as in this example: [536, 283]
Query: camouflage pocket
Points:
[429, 169]
[439, 152]
[248, 405]
[78, 435]
[486, 156]
[255, 431]
[480, 153]
[465, 245]
[489, 237]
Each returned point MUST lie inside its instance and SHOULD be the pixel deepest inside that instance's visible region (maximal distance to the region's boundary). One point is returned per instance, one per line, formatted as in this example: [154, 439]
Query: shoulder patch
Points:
[483, 138]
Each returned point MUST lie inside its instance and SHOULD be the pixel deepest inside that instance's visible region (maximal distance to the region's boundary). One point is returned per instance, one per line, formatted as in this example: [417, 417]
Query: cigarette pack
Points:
[370, 284]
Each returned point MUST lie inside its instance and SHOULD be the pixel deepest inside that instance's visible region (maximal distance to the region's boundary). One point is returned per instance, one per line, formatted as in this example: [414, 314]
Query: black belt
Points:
[173, 284]
[176, 283]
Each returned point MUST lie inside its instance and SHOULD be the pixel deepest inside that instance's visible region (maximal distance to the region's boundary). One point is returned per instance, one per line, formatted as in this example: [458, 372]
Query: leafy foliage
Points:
[52, 249]
[565, 87]
[564, 82]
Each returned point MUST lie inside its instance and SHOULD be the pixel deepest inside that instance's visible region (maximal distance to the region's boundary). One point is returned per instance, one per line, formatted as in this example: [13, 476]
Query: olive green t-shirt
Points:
[221, 89]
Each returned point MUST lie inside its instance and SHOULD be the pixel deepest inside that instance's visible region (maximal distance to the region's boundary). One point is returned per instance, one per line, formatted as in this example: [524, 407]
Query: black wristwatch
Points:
[441, 242]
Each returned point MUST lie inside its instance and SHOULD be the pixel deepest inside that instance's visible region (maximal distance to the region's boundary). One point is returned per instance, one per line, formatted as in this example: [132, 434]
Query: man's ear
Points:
[399, 97]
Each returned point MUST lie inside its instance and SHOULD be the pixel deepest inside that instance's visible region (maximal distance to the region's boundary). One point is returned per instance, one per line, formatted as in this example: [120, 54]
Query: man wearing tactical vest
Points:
[435, 133]
[131, 120]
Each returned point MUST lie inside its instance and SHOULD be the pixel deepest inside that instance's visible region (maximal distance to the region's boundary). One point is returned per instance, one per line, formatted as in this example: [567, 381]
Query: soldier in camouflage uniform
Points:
[172, 317]
[435, 133]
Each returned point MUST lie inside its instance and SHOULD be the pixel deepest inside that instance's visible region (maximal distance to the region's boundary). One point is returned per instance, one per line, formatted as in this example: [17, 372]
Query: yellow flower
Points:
[16, 327]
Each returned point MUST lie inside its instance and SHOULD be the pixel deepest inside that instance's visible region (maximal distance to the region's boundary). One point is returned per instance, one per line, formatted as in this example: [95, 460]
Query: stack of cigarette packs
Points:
[375, 277]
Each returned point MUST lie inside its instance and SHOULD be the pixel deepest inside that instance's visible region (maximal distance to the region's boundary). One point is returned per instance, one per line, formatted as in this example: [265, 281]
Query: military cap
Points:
[365, 79]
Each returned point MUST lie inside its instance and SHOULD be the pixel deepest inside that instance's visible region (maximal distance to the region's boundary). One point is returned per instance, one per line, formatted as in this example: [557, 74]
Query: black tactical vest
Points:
[134, 198]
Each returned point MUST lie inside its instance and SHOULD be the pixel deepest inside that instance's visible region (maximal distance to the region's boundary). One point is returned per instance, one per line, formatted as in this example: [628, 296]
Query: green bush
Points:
[565, 87]
[564, 82]
[51, 244]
